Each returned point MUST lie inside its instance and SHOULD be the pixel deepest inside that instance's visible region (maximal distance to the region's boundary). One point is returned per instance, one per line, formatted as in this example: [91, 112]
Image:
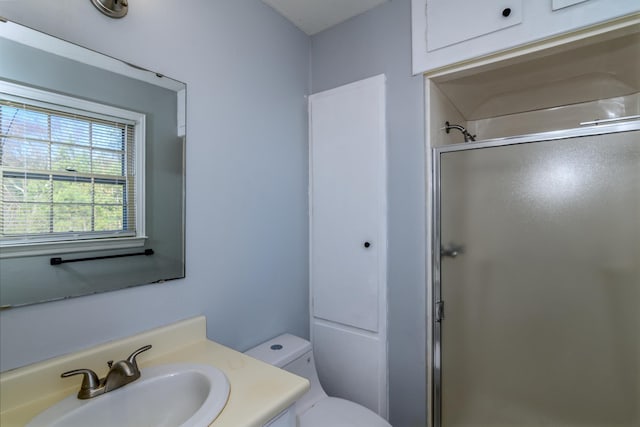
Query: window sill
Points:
[54, 248]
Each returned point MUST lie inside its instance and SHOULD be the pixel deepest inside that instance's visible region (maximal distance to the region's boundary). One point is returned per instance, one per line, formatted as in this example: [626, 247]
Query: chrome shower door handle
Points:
[451, 251]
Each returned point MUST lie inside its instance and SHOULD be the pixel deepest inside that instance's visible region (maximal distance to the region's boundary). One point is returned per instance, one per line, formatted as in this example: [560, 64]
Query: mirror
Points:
[95, 251]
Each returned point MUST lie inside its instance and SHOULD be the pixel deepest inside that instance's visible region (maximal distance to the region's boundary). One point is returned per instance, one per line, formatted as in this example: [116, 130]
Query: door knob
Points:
[367, 244]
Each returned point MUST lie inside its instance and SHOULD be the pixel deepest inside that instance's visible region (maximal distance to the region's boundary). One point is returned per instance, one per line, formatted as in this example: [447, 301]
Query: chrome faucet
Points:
[120, 373]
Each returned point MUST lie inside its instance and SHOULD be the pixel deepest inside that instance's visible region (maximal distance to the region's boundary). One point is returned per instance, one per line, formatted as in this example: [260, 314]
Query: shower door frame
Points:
[436, 306]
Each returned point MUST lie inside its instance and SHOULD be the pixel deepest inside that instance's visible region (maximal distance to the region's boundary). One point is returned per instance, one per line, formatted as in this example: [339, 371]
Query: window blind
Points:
[66, 174]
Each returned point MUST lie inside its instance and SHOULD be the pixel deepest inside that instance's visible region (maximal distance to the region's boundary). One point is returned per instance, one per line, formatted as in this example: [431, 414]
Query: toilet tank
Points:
[293, 354]
[281, 350]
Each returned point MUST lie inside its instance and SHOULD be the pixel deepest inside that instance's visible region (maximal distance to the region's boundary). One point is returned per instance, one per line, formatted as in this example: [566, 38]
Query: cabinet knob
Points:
[506, 11]
[367, 244]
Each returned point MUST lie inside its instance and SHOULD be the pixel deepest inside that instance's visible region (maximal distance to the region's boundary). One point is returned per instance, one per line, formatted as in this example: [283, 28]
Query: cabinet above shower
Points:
[448, 32]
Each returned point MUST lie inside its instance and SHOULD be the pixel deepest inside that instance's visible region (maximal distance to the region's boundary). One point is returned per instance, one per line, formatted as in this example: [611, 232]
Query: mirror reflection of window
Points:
[92, 170]
[67, 174]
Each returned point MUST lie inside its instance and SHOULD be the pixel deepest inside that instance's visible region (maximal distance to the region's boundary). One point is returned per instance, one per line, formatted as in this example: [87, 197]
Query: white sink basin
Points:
[186, 395]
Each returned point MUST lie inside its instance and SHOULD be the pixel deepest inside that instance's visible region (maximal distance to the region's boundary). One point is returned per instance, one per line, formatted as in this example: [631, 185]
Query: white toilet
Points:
[314, 408]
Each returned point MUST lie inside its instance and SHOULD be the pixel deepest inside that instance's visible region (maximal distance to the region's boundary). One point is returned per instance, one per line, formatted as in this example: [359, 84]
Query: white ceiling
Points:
[313, 16]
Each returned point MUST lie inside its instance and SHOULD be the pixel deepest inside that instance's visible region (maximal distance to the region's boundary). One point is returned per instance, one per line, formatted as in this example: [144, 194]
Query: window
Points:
[71, 173]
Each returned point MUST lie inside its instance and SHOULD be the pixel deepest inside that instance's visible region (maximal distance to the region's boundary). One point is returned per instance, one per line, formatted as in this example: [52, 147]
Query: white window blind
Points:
[66, 174]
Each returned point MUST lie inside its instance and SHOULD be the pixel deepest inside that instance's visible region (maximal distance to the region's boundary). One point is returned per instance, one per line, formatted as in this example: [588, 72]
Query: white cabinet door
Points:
[347, 191]
[348, 241]
[454, 21]
[447, 32]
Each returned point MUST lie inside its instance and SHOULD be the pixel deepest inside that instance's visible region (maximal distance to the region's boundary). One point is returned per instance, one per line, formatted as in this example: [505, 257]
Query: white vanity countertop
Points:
[258, 391]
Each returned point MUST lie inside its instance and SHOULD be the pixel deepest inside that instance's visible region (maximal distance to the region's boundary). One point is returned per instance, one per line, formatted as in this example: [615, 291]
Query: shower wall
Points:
[556, 118]
[442, 110]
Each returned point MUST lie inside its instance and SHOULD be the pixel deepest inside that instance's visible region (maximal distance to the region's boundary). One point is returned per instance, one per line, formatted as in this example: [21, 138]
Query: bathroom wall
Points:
[246, 70]
[373, 43]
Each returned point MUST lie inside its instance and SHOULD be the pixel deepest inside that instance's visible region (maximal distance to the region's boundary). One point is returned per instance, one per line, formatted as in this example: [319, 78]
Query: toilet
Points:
[314, 408]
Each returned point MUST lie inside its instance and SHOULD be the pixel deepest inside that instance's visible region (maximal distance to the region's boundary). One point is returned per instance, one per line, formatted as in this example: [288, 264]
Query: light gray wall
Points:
[373, 43]
[246, 70]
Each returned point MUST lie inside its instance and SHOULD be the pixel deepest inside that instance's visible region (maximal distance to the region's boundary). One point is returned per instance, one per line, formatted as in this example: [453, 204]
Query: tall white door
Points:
[348, 240]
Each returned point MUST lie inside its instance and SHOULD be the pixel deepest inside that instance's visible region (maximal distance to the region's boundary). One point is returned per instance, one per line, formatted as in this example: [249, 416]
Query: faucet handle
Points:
[90, 381]
[132, 357]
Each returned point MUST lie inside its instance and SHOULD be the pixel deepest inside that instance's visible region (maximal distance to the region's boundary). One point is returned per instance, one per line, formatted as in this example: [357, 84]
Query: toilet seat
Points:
[335, 412]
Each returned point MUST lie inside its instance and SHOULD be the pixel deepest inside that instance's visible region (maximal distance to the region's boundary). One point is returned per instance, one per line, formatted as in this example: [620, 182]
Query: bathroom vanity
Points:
[260, 394]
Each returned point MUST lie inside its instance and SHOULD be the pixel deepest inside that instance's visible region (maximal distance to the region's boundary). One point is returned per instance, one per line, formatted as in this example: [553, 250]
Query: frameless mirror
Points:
[91, 171]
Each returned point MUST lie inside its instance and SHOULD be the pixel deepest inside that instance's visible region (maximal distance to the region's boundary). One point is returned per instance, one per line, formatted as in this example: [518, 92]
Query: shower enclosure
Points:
[537, 280]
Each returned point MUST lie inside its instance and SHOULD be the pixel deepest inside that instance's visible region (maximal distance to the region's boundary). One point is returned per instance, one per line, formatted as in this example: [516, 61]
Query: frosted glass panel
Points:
[542, 301]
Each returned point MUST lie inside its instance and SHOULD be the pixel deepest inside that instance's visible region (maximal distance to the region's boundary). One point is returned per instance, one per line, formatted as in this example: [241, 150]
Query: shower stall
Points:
[536, 280]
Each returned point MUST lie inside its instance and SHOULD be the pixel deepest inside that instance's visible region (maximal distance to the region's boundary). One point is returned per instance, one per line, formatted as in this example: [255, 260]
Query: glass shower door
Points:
[539, 279]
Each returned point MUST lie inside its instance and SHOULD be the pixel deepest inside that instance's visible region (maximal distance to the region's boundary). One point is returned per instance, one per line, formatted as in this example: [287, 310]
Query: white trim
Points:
[141, 174]
[39, 96]
[12, 91]
[429, 251]
[182, 112]
[50, 248]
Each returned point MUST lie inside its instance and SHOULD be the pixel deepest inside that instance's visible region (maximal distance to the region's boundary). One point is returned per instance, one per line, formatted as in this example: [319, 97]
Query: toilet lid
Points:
[334, 412]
